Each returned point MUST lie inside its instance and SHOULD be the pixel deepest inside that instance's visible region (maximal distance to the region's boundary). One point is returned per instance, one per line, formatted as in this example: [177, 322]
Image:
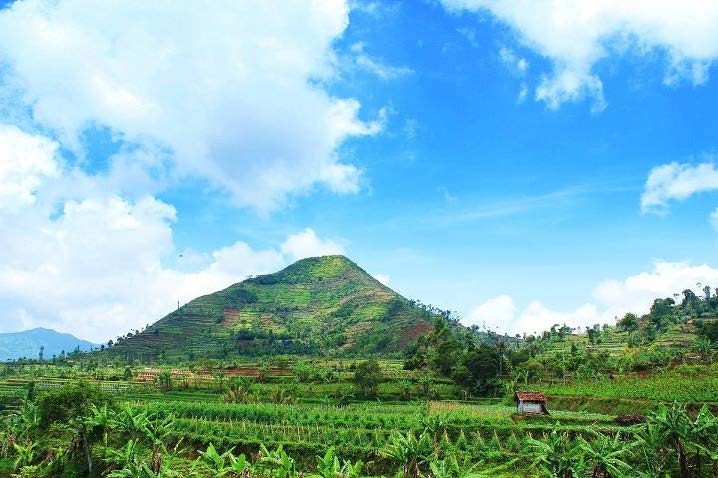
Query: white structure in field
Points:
[531, 402]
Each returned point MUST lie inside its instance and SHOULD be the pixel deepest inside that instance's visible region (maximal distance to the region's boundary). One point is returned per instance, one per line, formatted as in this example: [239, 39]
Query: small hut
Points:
[531, 402]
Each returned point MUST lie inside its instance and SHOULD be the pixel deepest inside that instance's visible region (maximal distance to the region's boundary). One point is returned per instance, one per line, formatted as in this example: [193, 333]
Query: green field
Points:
[287, 425]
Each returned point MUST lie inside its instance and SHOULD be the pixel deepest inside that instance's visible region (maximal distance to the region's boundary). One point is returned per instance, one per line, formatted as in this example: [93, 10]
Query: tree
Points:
[71, 401]
[664, 307]
[628, 323]
[164, 381]
[447, 354]
[482, 364]
[367, 378]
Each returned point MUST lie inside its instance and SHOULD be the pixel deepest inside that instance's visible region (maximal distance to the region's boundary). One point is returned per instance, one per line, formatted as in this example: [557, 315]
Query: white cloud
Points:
[97, 270]
[610, 299]
[677, 181]
[516, 64]
[470, 35]
[308, 244]
[232, 92]
[239, 260]
[25, 161]
[636, 293]
[103, 264]
[383, 278]
[386, 72]
[499, 314]
[576, 35]
[494, 314]
[523, 94]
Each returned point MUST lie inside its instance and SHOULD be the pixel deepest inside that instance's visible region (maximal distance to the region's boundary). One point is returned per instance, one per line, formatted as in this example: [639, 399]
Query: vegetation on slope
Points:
[316, 306]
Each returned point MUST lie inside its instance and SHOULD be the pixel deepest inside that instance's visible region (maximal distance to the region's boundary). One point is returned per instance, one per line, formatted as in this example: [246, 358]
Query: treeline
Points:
[492, 365]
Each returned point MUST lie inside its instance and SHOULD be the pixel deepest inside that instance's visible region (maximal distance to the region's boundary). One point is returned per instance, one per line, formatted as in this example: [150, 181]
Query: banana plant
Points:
[654, 457]
[676, 426]
[328, 466]
[130, 464]
[26, 454]
[703, 437]
[130, 421]
[557, 457]
[451, 467]
[220, 465]
[408, 450]
[607, 455]
[278, 462]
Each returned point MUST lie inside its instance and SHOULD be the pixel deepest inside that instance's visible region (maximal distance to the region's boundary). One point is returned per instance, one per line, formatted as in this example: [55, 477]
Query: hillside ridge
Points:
[325, 305]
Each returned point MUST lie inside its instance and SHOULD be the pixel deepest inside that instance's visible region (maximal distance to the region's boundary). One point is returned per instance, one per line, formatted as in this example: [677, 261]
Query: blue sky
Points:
[471, 157]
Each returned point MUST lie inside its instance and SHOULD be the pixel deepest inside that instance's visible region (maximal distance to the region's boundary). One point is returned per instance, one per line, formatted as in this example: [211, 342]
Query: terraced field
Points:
[317, 306]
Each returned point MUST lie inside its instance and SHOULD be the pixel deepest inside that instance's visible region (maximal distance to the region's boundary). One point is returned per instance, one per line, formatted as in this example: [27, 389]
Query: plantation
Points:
[285, 425]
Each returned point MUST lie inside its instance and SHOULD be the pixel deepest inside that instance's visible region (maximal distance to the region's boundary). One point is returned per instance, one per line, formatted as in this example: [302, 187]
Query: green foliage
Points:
[328, 466]
[367, 377]
[69, 402]
[316, 306]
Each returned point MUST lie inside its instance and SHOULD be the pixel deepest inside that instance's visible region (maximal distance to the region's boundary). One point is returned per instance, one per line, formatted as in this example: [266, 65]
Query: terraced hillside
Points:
[317, 306]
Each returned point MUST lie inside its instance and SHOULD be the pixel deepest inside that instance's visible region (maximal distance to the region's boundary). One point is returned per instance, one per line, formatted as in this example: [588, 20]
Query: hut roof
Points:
[531, 396]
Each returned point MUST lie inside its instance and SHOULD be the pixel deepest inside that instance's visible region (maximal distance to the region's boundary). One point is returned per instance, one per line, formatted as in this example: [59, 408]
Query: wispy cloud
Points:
[384, 71]
[514, 206]
[470, 35]
[516, 64]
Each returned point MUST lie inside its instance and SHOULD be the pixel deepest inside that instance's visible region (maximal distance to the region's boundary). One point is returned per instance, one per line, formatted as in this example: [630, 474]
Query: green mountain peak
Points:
[324, 305]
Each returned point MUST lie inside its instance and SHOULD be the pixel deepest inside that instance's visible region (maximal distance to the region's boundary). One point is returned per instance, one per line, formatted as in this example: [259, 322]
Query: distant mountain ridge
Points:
[27, 343]
[317, 306]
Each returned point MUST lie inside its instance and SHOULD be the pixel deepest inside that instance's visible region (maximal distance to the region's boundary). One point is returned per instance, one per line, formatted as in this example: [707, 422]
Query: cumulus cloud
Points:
[576, 35]
[677, 181]
[610, 299]
[98, 271]
[308, 244]
[86, 260]
[231, 92]
[383, 278]
[25, 161]
[495, 313]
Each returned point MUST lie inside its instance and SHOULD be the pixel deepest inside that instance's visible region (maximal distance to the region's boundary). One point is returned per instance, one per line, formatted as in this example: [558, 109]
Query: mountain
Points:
[318, 306]
[26, 344]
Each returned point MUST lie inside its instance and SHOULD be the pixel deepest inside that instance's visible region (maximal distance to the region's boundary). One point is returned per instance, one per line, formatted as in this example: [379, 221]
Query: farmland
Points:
[289, 423]
[368, 384]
